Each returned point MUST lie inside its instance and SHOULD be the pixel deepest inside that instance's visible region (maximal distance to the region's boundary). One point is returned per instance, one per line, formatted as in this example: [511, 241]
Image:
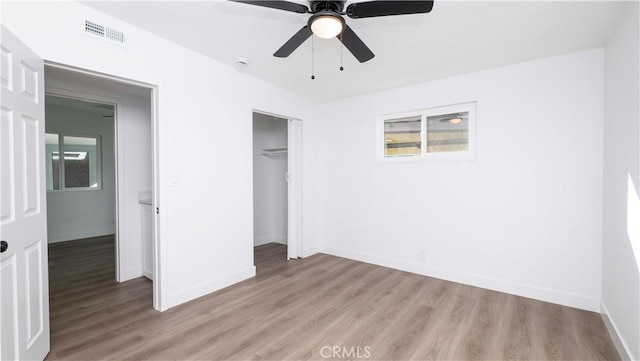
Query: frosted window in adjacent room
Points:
[78, 168]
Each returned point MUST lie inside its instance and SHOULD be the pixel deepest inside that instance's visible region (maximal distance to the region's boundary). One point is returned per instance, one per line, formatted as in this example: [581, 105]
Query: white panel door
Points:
[294, 177]
[24, 277]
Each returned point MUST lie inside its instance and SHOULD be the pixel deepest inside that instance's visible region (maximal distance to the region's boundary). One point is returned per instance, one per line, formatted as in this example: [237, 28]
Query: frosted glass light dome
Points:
[327, 26]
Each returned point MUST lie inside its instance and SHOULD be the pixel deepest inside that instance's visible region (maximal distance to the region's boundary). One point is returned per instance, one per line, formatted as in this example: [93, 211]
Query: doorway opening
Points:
[100, 176]
[270, 190]
[80, 169]
[80, 183]
[276, 190]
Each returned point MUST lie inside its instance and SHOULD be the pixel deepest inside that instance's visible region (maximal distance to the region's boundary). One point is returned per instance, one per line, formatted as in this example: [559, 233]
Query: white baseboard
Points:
[280, 239]
[259, 241]
[72, 236]
[538, 293]
[147, 274]
[621, 346]
[310, 251]
[131, 273]
[209, 287]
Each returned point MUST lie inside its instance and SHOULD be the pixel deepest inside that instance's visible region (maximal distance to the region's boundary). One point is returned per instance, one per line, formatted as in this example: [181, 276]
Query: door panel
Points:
[35, 311]
[29, 82]
[7, 156]
[31, 164]
[24, 291]
[9, 309]
[7, 64]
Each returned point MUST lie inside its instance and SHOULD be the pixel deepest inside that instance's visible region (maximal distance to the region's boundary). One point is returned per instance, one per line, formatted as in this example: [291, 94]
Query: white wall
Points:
[206, 213]
[621, 251]
[262, 183]
[82, 214]
[524, 218]
[135, 156]
[269, 183]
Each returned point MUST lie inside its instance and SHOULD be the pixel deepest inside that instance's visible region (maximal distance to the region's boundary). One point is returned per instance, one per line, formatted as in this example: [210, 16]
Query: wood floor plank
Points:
[302, 309]
[349, 326]
[518, 342]
[479, 340]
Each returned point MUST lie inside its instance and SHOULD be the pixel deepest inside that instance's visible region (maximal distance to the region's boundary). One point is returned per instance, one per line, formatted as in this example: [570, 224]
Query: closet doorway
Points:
[276, 187]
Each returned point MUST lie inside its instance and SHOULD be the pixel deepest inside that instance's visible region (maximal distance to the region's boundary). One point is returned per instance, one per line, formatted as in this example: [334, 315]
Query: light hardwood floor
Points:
[301, 310]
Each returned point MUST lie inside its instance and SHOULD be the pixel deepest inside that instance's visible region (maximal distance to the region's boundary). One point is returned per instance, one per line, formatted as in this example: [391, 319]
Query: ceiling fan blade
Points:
[280, 5]
[358, 48]
[293, 43]
[371, 9]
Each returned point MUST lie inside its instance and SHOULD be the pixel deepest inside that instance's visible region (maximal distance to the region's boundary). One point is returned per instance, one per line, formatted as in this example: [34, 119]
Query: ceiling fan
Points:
[327, 20]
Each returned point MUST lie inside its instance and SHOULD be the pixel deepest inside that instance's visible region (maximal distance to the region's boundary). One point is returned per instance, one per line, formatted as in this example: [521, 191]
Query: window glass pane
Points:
[80, 162]
[53, 163]
[402, 137]
[448, 133]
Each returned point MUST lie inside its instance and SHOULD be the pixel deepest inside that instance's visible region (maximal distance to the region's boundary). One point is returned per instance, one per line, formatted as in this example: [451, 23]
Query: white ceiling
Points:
[56, 76]
[85, 106]
[62, 78]
[455, 38]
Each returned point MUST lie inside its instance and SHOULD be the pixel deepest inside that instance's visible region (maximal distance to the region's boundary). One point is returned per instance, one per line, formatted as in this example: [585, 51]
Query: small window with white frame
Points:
[440, 133]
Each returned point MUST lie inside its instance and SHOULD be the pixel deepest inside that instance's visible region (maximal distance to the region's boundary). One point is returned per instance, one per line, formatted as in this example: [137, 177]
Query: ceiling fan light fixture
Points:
[326, 25]
[455, 120]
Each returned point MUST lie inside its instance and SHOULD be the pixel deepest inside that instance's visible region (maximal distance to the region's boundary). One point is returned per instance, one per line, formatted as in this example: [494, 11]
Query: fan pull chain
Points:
[312, 51]
[341, 46]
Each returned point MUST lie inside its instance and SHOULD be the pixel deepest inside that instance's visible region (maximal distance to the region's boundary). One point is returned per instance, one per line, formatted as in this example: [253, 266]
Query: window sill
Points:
[460, 157]
[74, 190]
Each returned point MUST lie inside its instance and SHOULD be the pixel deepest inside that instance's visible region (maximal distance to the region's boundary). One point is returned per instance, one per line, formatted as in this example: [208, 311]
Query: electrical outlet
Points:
[174, 181]
[422, 255]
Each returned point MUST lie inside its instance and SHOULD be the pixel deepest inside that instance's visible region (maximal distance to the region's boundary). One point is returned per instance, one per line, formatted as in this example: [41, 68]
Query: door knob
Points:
[3, 246]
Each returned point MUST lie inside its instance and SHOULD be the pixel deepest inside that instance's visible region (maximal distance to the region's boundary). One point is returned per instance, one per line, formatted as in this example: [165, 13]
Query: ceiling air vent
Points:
[104, 32]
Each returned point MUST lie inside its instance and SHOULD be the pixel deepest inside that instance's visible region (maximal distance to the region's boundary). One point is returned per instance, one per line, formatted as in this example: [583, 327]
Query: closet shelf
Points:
[274, 151]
